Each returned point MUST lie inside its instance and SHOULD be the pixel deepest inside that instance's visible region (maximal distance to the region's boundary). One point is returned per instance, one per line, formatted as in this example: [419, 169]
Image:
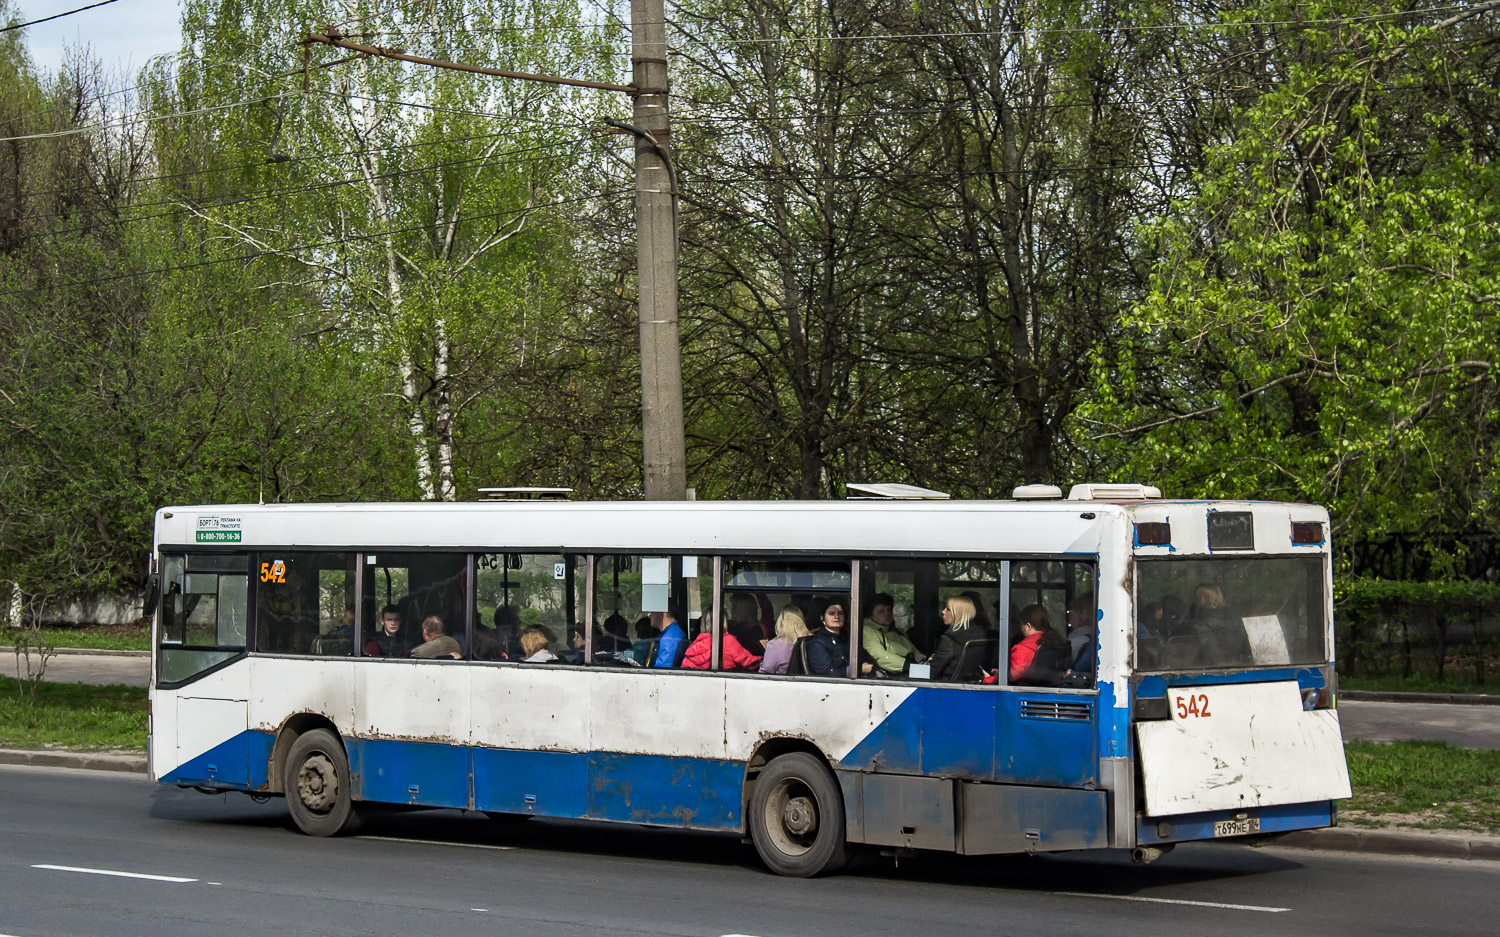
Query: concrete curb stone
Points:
[133, 762]
[1448, 845]
[85, 651]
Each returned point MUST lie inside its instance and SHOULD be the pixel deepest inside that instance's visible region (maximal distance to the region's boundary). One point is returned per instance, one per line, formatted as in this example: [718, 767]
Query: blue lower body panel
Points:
[425, 773]
[693, 793]
[547, 784]
[1193, 826]
[239, 764]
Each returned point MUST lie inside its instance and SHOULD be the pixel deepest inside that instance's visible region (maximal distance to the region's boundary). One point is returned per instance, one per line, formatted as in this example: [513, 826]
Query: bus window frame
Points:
[187, 551]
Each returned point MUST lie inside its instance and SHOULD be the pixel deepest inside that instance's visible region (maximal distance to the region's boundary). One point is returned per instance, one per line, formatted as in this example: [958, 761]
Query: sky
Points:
[124, 34]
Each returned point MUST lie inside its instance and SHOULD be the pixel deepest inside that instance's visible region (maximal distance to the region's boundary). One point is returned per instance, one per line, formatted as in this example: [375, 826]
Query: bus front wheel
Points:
[797, 817]
[317, 785]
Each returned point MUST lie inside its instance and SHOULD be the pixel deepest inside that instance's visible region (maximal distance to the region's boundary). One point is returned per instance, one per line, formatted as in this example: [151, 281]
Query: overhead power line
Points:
[56, 16]
[183, 206]
[295, 249]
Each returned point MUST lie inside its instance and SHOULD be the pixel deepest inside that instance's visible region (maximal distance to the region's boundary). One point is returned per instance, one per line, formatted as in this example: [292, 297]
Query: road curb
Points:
[84, 651]
[1392, 696]
[131, 762]
[1396, 842]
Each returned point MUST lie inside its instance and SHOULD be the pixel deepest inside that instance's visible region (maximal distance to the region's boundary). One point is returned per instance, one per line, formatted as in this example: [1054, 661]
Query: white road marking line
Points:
[435, 842]
[486, 910]
[1196, 904]
[153, 878]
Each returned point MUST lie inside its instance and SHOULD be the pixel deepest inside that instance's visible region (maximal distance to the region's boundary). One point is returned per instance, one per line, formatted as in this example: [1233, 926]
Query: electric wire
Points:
[508, 157]
[56, 16]
[299, 248]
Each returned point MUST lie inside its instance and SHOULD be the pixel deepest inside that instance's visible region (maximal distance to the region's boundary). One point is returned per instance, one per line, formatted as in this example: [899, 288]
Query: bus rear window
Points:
[1224, 613]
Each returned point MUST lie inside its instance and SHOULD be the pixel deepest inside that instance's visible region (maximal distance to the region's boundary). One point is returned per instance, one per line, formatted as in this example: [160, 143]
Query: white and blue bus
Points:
[1194, 699]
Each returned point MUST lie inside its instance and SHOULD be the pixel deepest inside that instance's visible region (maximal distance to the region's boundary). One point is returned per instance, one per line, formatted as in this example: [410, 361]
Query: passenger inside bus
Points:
[673, 641]
[1042, 656]
[534, 643]
[890, 651]
[734, 656]
[1083, 639]
[828, 649]
[949, 662]
[790, 628]
[744, 623]
[435, 643]
[388, 641]
[643, 651]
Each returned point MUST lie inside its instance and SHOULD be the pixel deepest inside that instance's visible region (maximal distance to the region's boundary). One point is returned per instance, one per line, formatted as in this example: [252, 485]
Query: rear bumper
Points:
[1197, 826]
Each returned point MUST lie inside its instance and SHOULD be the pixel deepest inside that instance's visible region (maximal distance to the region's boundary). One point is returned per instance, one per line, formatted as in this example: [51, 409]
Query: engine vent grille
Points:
[1054, 709]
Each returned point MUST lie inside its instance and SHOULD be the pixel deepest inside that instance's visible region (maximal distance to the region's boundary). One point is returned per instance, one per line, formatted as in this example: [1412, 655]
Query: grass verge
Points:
[1420, 683]
[69, 715]
[97, 637]
[1425, 785]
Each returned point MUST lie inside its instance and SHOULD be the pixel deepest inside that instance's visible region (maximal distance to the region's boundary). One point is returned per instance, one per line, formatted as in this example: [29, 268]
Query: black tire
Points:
[797, 817]
[318, 791]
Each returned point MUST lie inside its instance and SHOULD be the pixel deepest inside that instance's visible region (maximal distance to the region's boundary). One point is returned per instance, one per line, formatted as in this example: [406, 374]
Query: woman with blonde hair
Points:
[790, 626]
[534, 645]
[958, 614]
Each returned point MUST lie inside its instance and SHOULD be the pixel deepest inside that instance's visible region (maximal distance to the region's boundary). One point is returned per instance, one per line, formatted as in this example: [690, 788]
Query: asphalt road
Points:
[228, 866]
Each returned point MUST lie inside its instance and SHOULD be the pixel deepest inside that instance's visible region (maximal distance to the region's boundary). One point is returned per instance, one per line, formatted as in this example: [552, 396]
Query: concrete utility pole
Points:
[663, 446]
[665, 451]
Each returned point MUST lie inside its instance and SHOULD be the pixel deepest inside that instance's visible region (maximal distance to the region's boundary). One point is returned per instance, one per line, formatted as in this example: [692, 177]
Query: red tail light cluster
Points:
[1307, 531]
[1153, 534]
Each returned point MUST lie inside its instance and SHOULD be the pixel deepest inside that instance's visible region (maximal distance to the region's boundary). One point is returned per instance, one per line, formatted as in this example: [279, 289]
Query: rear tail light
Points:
[1153, 534]
[1307, 531]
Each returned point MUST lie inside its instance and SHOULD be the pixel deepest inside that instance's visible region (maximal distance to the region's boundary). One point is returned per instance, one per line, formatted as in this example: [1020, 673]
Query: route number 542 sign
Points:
[1191, 706]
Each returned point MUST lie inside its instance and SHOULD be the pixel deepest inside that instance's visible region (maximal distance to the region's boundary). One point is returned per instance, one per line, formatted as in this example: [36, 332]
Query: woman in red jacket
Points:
[735, 656]
[1042, 655]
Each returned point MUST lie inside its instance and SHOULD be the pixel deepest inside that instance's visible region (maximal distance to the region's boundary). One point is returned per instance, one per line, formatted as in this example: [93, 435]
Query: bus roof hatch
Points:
[1122, 492]
[524, 494]
[890, 491]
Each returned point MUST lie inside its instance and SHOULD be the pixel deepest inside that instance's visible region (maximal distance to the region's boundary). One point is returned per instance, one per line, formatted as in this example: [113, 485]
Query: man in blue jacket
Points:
[673, 642]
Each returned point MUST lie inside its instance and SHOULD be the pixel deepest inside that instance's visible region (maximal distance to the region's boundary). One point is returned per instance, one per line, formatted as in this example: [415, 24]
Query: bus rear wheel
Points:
[797, 817]
[317, 785]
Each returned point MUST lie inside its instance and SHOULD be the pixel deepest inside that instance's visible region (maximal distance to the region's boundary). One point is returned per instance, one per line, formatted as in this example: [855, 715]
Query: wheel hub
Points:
[799, 816]
[317, 784]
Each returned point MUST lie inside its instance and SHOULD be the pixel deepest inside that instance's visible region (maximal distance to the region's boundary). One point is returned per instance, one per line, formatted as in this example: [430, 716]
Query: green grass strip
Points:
[1421, 683]
[95, 639]
[70, 715]
[1434, 783]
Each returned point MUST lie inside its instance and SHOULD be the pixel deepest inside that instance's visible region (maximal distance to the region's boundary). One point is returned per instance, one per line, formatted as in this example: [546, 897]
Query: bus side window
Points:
[304, 603]
[1064, 593]
[635, 601]
[772, 609]
[404, 591]
[518, 592]
[203, 610]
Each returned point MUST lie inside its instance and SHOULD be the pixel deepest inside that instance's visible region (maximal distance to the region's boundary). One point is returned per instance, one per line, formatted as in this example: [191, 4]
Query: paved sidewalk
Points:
[96, 668]
[1463, 725]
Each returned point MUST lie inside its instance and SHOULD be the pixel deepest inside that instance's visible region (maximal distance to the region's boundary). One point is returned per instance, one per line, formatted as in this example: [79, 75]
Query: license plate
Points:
[1237, 827]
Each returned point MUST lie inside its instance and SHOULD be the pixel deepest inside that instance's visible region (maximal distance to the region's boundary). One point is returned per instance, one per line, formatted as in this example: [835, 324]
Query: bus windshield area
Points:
[1229, 612]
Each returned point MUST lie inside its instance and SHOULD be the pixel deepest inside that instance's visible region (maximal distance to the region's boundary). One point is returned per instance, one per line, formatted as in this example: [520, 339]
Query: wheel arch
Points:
[767, 750]
[292, 729]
